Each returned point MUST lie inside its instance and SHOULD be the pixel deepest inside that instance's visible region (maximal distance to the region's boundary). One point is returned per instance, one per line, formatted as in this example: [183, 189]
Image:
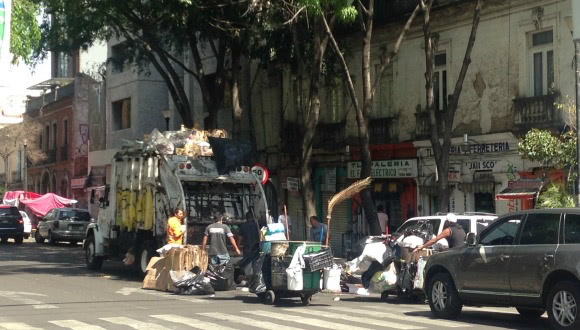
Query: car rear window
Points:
[572, 229]
[9, 211]
[79, 215]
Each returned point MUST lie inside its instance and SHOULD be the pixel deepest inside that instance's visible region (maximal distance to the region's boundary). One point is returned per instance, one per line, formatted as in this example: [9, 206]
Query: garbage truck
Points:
[147, 185]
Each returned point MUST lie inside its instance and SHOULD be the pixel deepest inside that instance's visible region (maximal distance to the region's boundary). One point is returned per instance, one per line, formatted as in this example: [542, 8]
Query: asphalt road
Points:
[48, 287]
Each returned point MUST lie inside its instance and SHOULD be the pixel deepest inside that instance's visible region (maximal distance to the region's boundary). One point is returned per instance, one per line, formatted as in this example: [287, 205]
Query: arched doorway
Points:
[45, 182]
[53, 186]
[63, 188]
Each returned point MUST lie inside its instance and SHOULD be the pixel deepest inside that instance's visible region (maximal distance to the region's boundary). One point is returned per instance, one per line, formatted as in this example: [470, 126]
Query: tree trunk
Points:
[6, 172]
[235, 85]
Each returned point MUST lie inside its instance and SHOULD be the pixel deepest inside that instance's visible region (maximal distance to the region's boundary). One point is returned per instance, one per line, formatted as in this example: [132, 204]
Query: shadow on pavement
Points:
[61, 259]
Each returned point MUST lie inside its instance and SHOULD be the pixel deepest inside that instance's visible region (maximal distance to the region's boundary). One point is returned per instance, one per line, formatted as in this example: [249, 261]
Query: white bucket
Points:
[332, 279]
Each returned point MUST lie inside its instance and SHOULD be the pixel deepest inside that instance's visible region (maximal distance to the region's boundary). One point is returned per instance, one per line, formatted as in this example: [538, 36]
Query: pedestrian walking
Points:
[383, 218]
[218, 234]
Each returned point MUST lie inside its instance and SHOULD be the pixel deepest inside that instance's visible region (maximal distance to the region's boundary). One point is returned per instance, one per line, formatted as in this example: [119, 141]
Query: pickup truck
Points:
[11, 224]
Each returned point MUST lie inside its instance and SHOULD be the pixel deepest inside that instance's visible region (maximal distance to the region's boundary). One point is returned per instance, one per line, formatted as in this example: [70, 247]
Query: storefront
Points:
[480, 167]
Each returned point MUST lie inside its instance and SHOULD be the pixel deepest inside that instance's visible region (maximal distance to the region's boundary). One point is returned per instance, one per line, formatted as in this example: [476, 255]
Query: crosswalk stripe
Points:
[17, 326]
[382, 307]
[194, 323]
[364, 320]
[410, 318]
[75, 325]
[135, 324]
[247, 321]
[310, 322]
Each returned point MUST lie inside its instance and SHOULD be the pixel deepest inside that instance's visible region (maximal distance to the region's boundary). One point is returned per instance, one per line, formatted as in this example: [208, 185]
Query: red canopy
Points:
[40, 206]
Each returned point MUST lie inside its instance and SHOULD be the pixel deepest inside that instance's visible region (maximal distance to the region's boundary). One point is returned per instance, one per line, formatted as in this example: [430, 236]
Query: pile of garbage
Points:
[185, 270]
[389, 265]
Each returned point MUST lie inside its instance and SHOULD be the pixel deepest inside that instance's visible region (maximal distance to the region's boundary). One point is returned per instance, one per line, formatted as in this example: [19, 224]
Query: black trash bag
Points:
[221, 277]
[229, 154]
[192, 283]
[388, 256]
[368, 275]
[406, 277]
[261, 270]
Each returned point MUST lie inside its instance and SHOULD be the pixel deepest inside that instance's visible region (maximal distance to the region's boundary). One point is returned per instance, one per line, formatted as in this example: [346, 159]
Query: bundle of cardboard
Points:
[177, 259]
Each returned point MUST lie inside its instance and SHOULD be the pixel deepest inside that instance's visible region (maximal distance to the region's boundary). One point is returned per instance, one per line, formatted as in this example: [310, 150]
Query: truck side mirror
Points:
[471, 239]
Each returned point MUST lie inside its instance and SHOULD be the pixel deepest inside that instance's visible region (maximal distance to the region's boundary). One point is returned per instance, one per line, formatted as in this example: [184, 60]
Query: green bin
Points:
[311, 280]
[310, 247]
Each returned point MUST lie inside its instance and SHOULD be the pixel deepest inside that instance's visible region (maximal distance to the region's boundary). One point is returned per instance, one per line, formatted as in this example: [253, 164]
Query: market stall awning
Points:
[40, 206]
[520, 189]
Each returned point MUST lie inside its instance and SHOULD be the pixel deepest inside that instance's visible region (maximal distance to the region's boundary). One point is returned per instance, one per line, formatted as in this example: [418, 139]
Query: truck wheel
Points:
[146, 252]
[93, 262]
[39, 239]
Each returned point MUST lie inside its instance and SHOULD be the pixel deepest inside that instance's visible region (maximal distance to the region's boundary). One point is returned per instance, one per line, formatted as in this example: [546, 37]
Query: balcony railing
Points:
[423, 130]
[330, 136]
[535, 111]
[64, 153]
[56, 95]
[382, 130]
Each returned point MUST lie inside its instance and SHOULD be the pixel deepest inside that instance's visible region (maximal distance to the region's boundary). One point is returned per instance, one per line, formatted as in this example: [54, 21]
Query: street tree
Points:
[366, 14]
[162, 34]
[24, 31]
[13, 138]
[441, 121]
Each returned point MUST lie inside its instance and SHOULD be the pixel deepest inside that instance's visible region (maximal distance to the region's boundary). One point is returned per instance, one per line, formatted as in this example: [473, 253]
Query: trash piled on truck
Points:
[388, 265]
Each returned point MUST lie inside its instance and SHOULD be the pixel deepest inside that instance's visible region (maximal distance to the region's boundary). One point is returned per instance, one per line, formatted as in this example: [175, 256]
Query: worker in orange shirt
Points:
[174, 232]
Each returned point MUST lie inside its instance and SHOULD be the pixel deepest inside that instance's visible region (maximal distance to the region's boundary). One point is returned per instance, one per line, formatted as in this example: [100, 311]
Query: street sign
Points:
[261, 172]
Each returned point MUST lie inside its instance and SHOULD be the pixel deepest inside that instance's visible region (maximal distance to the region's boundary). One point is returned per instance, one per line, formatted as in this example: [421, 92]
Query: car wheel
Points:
[270, 297]
[50, 238]
[38, 238]
[93, 262]
[562, 305]
[443, 297]
[18, 239]
[530, 313]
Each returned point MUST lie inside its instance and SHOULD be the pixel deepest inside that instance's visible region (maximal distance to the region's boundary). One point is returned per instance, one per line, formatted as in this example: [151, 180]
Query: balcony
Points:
[422, 128]
[56, 95]
[382, 130]
[330, 136]
[64, 153]
[536, 111]
[50, 158]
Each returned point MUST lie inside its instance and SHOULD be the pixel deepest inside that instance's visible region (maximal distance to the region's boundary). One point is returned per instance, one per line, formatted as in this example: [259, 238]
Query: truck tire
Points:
[146, 252]
[93, 262]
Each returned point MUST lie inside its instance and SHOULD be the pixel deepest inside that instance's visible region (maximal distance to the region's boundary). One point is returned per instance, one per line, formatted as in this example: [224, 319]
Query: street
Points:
[48, 287]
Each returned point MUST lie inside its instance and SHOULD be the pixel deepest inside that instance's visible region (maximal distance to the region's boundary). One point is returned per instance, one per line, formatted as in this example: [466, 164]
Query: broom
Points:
[347, 193]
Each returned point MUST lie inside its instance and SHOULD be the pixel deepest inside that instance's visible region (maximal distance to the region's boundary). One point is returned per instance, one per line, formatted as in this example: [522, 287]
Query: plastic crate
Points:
[311, 281]
[319, 260]
[310, 247]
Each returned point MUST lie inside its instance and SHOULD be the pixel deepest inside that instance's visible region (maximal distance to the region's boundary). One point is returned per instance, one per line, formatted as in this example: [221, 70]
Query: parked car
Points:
[27, 224]
[11, 224]
[528, 260]
[63, 224]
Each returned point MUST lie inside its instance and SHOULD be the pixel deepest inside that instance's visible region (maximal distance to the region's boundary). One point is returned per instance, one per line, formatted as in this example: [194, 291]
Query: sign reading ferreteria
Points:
[479, 148]
[381, 169]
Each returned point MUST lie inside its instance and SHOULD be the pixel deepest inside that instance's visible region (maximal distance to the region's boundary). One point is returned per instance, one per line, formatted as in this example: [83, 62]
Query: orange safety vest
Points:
[174, 233]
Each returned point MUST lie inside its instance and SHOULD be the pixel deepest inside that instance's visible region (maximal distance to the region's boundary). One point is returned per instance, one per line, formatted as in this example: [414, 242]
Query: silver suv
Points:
[528, 259]
[63, 224]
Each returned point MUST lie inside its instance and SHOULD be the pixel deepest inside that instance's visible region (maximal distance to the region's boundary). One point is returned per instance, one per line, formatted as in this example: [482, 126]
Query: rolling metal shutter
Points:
[338, 225]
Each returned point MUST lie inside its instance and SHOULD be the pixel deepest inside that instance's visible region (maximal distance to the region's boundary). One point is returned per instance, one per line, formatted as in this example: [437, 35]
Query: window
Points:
[503, 234]
[465, 224]
[572, 229]
[54, 136]
[62, 65]
[481, 224]
[47, 137]
[440, 81]
[431, 225]
[118, 58]
[383, 99]
[65, 133]
[542, 60]
[334, 104]
[541, 229]
[121, 114]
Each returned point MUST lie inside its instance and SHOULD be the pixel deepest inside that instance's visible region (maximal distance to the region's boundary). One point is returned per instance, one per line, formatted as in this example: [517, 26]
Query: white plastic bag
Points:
[412, 241]
[372, 252]
[384, 280]
[295, 281]
[418, 282]
[332, 278]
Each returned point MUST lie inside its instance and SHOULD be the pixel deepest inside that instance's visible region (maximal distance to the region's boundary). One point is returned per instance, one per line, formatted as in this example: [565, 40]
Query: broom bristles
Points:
[347, 193]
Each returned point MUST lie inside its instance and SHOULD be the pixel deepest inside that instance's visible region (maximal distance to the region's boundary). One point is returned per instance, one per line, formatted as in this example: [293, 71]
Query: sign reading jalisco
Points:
[397, 168]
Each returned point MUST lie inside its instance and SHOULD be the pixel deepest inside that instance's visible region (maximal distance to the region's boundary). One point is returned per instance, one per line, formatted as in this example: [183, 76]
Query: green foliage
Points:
[549, 150]
[555, 196]
[24, 33]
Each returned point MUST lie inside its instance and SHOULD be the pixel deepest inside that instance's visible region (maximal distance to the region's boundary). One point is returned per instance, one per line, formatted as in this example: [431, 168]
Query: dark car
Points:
[11, 224]
[64, 224]
[528, 260]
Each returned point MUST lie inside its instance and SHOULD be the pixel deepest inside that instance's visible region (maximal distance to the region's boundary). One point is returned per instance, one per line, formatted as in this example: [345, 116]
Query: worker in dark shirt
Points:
[249, 235]
[452, 231]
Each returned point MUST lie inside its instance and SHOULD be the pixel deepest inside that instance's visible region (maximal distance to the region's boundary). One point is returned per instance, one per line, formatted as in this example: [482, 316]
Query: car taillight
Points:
[188, 166]
[21, 221]
[181, 166]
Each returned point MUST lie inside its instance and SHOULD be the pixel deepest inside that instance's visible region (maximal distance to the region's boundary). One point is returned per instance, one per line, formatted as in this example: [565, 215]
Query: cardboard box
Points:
[154, 269]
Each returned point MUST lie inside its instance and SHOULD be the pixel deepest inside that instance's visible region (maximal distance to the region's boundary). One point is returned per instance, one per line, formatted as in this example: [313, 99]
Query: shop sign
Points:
[381, 169]
[454, 175]
[478, 165]
[293, 184]
[328, 182]
[478, 148]
[483, 176]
